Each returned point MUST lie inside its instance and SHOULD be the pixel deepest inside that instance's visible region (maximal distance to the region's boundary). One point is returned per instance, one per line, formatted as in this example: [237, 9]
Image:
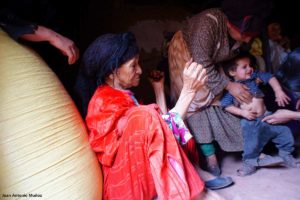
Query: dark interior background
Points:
[102, 16]
[84, 20]
[150, 20]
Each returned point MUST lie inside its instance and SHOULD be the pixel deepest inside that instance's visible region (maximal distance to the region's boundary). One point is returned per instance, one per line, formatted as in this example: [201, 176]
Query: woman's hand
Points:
[66, 46]
[240, 92]
[157, 79]
[281, 98]
[194, 77]
[281, 116]
[62, 43]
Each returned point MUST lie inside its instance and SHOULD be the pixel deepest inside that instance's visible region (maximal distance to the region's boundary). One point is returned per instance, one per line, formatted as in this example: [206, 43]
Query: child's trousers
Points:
[257, 134]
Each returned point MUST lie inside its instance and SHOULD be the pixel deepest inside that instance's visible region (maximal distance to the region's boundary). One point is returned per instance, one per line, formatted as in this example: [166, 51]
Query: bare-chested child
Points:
[255, 132]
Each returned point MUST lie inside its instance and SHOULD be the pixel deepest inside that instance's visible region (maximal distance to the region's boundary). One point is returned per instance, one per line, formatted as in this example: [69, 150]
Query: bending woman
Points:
[211, 37]
[139, 154]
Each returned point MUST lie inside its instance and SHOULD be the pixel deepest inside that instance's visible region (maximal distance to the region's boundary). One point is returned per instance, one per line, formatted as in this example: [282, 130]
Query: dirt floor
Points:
[277, 183]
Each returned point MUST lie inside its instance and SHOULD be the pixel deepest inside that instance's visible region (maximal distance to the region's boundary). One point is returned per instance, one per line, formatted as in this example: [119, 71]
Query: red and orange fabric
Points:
[140, 157]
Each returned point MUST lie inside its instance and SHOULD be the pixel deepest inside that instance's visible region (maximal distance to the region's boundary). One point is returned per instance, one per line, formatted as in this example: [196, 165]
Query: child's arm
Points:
[239, 112]
[281, 98]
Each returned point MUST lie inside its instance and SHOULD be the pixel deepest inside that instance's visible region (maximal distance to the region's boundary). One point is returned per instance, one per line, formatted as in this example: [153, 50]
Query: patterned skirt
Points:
[213, 123]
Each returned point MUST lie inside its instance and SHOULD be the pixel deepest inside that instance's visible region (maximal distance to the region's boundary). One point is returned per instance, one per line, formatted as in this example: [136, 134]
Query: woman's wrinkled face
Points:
[128, 75]
[243, 70]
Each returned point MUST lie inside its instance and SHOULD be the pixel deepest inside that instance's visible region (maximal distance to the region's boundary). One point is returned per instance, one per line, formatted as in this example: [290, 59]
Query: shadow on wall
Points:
[150, 33]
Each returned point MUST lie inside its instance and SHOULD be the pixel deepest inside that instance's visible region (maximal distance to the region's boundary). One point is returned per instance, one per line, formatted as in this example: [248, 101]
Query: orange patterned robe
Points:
[141, 158]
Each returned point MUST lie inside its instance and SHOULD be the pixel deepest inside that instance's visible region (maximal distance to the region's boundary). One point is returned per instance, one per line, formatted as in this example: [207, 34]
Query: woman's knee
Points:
[142, 119]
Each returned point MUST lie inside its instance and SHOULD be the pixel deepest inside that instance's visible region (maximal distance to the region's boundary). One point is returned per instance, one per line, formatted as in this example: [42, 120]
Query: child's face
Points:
[243, 70]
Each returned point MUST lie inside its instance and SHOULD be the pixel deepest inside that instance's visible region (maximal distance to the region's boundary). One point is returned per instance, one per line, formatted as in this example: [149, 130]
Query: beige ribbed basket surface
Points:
[44, 150]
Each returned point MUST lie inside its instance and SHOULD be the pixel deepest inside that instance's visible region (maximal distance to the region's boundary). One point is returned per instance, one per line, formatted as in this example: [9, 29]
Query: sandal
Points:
[218, 183]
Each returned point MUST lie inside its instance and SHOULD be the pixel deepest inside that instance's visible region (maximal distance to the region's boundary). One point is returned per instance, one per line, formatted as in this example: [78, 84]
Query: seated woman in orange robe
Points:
[140, 157]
